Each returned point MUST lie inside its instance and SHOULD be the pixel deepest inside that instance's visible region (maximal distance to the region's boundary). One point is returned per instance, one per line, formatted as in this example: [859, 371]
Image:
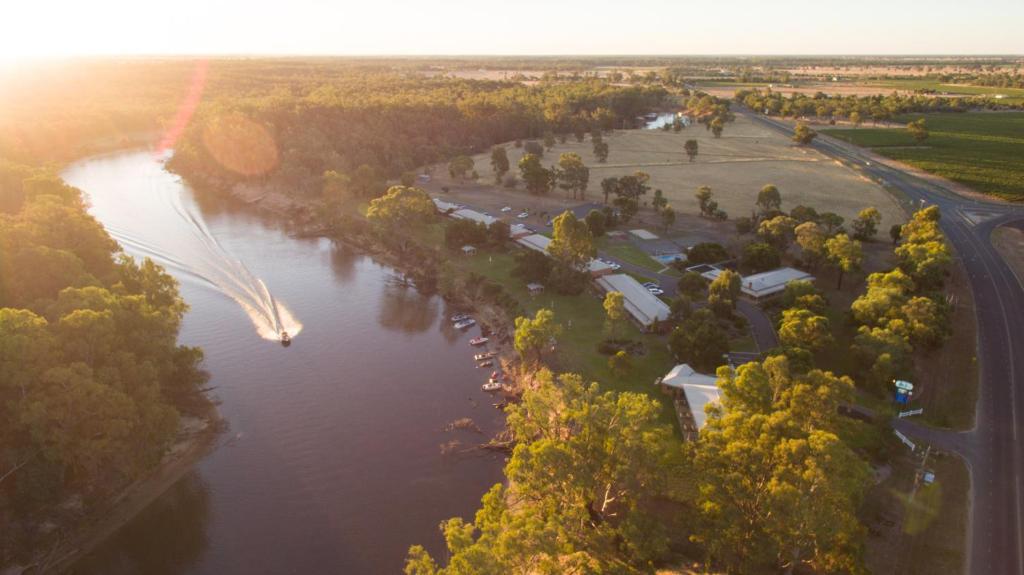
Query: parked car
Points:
[523, 215]
[656, 291]
[506, 209]
[650, 285]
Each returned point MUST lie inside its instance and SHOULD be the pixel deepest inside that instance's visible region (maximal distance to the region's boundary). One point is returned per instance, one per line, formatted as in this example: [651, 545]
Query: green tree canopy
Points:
[534, 335]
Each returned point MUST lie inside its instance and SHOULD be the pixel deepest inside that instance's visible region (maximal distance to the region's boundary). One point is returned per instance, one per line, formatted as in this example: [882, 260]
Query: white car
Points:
[656, 291]
[523, 215]
[651, 285]
[615, 266]
[506, 209]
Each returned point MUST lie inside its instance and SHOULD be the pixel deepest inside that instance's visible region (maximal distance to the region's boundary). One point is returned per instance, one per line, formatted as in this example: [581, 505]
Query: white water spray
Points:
[134, 216]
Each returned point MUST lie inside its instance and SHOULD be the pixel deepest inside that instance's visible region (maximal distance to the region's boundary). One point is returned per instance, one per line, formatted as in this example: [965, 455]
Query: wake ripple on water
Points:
[189, 248]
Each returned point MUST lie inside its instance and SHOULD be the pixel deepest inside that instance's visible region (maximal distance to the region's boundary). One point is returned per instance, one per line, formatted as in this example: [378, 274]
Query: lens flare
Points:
[186, 109]
[240, 144]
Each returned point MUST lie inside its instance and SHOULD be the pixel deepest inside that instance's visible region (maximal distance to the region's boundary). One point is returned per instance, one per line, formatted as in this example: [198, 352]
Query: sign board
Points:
[903, 385]
[917, 411]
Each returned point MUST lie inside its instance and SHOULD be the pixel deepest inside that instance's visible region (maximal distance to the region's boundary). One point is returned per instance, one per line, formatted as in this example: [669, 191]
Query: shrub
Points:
[707, 253]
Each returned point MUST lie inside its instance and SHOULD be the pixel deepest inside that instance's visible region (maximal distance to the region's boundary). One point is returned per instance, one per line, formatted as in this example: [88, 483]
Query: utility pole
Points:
[920, 472]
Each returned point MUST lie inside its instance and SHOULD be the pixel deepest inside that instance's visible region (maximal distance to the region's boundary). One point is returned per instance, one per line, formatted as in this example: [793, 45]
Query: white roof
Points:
[444, 206]
[598, 267]
[644, 306]
[643, 234]
[468, 248]
[535, 242]
[473, 215]
[519, 230]
[765, 283]
[700, 390]
[768, 283]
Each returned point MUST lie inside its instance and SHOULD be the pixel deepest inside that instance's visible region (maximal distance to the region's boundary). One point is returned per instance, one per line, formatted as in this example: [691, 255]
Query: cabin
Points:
[535, 288]
[691, 393]
[468, 250]
[762, 286]
[644, 307]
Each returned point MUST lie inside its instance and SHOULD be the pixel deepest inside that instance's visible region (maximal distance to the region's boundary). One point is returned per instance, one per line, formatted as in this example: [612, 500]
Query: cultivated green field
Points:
[1011, 95]
[982, 150]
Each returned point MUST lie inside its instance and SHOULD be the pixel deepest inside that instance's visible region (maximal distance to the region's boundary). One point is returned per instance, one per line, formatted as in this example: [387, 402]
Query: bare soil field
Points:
[736, 166]
[836, 89]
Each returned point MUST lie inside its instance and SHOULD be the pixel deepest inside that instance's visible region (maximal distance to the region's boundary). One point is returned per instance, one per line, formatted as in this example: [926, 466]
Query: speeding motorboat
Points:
[286, 339]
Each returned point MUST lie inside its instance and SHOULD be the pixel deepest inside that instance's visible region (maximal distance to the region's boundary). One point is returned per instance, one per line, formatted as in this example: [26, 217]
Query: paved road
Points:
[992, 449]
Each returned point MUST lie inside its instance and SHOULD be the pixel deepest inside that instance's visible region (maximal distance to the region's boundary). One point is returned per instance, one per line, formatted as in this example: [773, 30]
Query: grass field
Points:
[1012, 95]
[982, 150]
[582, 318]
[929, 529]
[736, 166]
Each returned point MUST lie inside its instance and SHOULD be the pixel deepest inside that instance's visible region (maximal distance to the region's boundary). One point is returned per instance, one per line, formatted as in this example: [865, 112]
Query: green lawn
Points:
[582, 317]
[627, 252]
[982, 150]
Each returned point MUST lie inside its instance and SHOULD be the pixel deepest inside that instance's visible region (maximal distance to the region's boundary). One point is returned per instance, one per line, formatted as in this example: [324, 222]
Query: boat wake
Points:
[185, 244]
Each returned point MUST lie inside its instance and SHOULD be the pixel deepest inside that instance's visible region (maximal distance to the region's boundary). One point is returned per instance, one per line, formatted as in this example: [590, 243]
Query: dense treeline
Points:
[61, 111]
[92, 381]
[387, 124]
[856, 109]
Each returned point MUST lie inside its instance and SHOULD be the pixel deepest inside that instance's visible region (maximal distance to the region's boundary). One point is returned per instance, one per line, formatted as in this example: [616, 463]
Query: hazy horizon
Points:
[402, 28]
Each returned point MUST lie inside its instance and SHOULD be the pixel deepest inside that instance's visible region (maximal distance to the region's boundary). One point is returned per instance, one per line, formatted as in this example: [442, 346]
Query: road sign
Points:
[917, 411]
[903, 385]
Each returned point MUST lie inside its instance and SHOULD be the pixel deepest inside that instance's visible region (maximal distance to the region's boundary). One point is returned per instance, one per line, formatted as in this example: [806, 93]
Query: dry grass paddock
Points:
[736, 166]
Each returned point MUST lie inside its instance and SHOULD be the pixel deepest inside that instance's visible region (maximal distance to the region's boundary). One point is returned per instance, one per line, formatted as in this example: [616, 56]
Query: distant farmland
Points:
[982, 150]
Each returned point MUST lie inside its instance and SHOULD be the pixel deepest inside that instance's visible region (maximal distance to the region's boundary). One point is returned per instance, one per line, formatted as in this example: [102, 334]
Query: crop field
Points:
[735, 166]
[1011, 95]
[982, 150]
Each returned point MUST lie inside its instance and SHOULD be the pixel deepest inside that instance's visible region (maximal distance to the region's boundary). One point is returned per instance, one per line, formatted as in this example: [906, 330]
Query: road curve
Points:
[992, 449]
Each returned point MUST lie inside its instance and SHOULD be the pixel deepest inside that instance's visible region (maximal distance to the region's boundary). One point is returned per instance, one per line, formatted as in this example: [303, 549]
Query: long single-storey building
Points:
[691, 392]
[645, 307]
[539, 243]
[763, 285]
[473, 216]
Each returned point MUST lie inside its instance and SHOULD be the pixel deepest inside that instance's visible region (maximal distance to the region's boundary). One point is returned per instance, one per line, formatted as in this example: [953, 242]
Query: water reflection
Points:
[183, 512]
[404, 309]
[343, 262]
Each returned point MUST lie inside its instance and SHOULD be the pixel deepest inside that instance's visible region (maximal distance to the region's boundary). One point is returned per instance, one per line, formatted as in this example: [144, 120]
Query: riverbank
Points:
[196, 437]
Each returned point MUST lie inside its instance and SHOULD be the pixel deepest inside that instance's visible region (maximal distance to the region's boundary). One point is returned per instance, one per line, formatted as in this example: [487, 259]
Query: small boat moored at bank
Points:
[479, 340]
[465, 323]
[491, 386]
[486, 363]
[485, 355]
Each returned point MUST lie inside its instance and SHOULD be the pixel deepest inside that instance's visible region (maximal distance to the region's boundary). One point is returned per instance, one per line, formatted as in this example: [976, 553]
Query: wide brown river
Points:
[332, 462]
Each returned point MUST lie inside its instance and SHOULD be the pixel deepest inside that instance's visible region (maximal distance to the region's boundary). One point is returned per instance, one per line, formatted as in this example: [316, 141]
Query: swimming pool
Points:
[667, 259]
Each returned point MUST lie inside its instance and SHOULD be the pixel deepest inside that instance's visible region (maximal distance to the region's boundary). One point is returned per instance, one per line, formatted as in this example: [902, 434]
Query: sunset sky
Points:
[48, 28]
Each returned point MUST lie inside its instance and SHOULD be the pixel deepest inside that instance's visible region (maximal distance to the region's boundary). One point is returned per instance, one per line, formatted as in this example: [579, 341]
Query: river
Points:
[332, 462]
